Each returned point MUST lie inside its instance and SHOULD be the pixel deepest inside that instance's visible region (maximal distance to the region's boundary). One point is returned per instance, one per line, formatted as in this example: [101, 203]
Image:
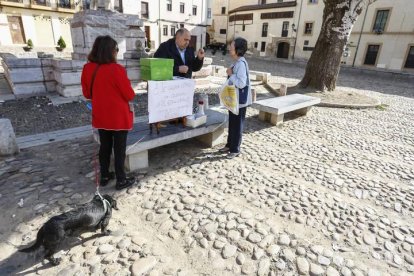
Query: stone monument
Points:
[8, 144]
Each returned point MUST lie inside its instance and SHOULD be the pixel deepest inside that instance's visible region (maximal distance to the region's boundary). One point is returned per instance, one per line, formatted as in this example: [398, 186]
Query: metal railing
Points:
[66, 4]
[45, 3]
[14, 1]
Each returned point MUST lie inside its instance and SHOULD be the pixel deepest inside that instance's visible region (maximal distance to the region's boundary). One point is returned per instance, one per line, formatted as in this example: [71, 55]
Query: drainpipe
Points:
[227, 16]
[159, 23]
[360, 35]
[297, 30]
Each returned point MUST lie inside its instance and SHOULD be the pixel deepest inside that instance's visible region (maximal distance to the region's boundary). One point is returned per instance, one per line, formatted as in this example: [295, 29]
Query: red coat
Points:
[110, 96]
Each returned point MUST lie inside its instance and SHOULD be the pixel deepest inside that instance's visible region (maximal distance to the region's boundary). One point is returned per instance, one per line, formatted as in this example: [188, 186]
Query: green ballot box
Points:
[156, 69]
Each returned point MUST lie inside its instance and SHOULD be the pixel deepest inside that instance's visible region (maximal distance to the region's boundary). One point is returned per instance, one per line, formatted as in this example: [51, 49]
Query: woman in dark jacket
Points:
[106, 83]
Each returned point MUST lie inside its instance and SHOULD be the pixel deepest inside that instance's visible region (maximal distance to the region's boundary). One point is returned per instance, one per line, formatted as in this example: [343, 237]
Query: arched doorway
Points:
[283, 50]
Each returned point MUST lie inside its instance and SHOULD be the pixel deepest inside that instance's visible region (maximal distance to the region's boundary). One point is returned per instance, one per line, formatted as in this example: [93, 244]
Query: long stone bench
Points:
[140, 140]
[273, 110]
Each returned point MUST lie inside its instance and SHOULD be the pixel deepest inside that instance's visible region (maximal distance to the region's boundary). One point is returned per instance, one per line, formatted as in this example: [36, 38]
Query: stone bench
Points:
[272, 110]
[140, 140]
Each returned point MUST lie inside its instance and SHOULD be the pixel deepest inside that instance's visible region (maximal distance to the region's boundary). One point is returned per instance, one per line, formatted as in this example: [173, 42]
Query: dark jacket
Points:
[168, 49]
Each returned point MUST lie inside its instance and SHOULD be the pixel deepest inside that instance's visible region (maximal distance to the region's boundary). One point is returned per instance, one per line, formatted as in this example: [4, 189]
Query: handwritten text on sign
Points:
[170, 99]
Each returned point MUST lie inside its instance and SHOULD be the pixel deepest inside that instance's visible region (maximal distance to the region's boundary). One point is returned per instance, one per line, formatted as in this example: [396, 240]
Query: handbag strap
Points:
[247, 74]
[93, 78]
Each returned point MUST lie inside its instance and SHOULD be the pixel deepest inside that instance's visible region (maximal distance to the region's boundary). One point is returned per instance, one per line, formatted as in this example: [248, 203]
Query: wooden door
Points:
[16, 29]
[193, 41]
[148, 33]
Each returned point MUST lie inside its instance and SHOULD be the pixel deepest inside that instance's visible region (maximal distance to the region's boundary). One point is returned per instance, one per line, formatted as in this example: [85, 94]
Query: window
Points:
[169, 5]
[263, 48]
[144, 10]
[223, 10]
[209, 13]
[380, 21]
[409, 63]
[194, 10]
[222, 31]
[172, 30]
[313, 1]
[285, 28]
[264, 29]
[181, 25]
[256, 44]
[262, 2]
[371, 55]
[182, 7]
[306, 42]
[243, 27]
[308, 28]
[165, 30]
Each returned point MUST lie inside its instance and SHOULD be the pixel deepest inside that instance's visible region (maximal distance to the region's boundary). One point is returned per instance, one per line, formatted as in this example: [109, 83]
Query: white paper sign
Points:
[170, 99]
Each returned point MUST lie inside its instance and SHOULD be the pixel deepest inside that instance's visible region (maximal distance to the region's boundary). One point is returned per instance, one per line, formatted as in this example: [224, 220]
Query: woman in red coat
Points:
[106, 83]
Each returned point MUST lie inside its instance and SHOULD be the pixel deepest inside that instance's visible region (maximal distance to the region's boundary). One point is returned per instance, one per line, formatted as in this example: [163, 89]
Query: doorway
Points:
[193, 42]
[283, 50]
[148, 36]
[16, 29]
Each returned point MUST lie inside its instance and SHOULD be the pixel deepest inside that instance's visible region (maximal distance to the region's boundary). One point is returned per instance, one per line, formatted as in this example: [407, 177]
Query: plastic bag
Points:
[229, 98]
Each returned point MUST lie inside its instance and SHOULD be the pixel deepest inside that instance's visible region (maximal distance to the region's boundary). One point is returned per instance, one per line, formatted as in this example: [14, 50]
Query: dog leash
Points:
[105, 202]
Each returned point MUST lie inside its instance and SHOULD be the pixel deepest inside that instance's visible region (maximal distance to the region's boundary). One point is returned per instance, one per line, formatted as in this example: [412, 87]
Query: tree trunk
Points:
[323, 66]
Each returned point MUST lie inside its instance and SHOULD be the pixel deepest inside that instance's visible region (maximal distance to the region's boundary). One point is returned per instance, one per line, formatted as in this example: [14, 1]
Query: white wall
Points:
[5, 36]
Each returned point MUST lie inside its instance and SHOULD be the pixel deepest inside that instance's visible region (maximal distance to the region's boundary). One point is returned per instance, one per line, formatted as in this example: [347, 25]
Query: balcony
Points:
[45, 3]
[41, 5]
[65, 4]
[12, 3]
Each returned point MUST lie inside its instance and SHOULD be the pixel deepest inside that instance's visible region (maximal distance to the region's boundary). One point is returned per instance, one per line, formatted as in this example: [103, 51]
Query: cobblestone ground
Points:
[327, 194]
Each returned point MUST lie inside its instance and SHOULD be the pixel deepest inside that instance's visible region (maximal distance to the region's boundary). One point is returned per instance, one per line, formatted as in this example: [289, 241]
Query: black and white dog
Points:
[91, 216]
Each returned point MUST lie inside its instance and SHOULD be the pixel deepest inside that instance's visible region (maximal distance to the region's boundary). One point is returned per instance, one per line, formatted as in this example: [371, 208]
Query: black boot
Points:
[122, 184]
[105, 179]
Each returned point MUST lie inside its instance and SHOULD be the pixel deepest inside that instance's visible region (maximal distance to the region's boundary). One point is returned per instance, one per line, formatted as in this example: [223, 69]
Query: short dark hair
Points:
[103, 50]
[240, 46]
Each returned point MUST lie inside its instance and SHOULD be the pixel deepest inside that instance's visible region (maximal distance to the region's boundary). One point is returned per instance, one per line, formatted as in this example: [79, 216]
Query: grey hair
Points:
[181, 31]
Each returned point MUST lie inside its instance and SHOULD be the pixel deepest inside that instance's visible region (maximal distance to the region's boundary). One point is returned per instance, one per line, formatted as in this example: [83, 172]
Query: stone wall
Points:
[28, 76]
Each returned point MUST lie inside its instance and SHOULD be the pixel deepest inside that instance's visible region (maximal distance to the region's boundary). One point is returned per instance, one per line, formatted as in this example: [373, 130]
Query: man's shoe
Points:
[125, 183]
[105, 179]
[231, 155]
[225, 149]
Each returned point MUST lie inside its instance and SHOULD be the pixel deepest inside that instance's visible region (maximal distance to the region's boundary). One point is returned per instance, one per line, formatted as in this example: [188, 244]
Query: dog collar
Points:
[106, 204]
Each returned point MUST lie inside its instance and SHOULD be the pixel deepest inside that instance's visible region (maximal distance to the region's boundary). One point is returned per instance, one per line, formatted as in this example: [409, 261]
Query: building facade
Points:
[219, 25]
[43, 21]
[382, 37]
[163, 18]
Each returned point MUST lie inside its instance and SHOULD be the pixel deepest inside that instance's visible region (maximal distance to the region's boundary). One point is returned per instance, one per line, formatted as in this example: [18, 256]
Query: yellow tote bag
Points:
[229, 98]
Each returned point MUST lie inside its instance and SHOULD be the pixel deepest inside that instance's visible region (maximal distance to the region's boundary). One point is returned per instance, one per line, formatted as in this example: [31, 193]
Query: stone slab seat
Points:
[139, 139]
[272, 110]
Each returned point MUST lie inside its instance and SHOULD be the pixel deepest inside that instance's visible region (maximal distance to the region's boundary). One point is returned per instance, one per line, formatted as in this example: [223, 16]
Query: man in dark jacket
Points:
[185, 62]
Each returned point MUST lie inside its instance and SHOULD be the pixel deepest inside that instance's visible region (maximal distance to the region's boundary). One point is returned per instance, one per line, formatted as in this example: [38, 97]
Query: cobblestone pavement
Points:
[327, 194]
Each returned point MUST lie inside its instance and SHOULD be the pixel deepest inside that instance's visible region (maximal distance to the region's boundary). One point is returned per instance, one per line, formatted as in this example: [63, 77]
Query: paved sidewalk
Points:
[331, 193]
